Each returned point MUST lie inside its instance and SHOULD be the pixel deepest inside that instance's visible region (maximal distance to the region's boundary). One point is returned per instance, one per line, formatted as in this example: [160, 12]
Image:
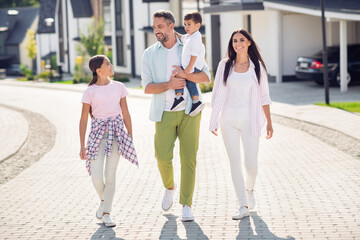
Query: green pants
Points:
[186, 128]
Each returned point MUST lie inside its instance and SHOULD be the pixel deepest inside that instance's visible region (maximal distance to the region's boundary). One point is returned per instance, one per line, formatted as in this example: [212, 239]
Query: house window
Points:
[107, 17]
[119, 22]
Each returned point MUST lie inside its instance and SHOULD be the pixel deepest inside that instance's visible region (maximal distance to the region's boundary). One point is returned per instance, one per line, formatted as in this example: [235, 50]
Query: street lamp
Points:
[49, 22]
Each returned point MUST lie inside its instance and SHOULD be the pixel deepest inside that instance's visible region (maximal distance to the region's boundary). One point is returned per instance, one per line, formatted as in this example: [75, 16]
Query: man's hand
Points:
[176, 82]
[179, 72]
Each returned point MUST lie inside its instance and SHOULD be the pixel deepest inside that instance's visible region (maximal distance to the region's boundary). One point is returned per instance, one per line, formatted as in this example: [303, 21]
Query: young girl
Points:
[240, 102]
[105, 101]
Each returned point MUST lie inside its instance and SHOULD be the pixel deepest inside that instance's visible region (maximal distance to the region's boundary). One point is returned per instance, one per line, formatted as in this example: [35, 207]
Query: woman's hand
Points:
[269, 131]
[83, 153]
[214, 132]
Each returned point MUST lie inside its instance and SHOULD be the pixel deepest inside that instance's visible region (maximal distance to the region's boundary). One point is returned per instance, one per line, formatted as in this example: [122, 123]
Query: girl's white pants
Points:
[105, 187]
[232, 131]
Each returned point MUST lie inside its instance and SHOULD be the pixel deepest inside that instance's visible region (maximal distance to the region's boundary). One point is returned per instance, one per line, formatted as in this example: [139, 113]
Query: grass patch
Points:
[65, 82]
[348, 106]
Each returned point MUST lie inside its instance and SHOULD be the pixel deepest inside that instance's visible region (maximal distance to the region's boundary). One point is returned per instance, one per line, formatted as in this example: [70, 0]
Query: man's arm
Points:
[200, 77]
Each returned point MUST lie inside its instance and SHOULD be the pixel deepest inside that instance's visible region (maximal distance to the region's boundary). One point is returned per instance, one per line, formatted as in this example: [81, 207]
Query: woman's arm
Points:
[269, 128]
[126, 116]
[82, 129]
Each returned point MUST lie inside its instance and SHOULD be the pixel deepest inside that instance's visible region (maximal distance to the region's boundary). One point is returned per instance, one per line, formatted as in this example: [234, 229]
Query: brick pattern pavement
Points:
[306, 189]
[12, 123]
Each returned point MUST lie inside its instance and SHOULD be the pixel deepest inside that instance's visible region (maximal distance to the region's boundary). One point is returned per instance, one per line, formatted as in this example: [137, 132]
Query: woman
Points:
[240, 102]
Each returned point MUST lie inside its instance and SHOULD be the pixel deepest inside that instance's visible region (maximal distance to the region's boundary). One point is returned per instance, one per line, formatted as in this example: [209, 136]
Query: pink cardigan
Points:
[259, 97]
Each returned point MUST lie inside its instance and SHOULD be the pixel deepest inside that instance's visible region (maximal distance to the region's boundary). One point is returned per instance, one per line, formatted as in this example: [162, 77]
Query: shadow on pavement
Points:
[105, 233]
[261, 229]
[169, 230]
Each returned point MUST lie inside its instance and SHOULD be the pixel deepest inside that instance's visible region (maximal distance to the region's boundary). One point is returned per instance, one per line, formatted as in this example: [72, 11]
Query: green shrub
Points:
[206, 87]
[85, 79]
[120, 77]
[27, 72]
[45, 75]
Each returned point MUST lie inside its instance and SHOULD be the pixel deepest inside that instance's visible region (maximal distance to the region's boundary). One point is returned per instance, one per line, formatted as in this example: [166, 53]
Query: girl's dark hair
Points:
[95, 63]
[253, 52]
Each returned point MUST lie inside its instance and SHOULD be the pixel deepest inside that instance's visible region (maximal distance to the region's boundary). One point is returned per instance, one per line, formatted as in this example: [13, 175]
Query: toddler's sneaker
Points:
[178, 103]
[196, 108]
[243, 212]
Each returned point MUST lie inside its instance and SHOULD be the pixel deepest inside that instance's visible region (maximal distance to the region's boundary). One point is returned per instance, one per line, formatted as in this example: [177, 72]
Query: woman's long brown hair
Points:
[253, 52]
[95, 63]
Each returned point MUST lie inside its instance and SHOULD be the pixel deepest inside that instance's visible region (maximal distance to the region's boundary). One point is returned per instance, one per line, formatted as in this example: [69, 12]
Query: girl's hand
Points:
[269, 131]
[214, 132]
[83, 153]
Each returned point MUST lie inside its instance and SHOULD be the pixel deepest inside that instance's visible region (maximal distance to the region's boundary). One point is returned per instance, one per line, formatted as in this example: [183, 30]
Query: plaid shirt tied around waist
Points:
[115, 129]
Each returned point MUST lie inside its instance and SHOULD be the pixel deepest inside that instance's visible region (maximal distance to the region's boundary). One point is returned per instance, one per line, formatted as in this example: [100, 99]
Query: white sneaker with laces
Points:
[250, 198]
[243, 212]
[168, 199]
[99, 212]
[107, 220]
[187, 215]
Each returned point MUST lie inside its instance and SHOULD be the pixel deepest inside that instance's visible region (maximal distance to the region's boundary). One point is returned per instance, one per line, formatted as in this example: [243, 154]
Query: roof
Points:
[24, 19]
[81, 8]
[47, 10]
[344, 6]
[234, 5]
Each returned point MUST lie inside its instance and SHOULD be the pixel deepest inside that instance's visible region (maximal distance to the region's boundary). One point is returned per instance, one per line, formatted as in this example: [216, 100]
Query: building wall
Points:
[46, 43]
[228, 23]
[299, 39]
[265, 35]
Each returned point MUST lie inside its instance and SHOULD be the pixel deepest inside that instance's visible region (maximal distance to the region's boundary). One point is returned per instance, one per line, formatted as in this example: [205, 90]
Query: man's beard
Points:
[164, 39]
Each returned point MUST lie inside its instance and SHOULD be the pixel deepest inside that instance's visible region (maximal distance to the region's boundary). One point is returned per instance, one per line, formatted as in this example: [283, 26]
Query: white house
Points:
[283, 29]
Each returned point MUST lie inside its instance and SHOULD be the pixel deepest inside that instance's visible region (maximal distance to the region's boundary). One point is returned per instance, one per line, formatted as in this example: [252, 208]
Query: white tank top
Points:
[238, 100]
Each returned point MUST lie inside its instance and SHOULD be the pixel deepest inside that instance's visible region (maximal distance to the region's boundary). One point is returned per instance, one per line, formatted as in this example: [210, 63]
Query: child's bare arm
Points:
[191, 64]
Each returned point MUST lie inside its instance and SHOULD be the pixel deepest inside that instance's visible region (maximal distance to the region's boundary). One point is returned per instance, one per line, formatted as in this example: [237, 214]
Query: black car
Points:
[14, 70]
[312, 67]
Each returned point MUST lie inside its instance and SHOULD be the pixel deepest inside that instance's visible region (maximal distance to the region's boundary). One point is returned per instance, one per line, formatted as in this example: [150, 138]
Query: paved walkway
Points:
[306, 189]
[13, 133]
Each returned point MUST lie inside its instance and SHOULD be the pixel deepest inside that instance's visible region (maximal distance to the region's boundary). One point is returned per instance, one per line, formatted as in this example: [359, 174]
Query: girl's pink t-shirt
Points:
[105, 100]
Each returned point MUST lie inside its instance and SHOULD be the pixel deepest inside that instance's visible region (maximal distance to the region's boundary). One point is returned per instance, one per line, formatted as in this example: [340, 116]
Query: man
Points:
[161, 75]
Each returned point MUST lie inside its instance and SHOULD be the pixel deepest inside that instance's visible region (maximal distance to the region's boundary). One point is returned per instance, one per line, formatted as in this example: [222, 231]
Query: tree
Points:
[31, 46]
[93, 42]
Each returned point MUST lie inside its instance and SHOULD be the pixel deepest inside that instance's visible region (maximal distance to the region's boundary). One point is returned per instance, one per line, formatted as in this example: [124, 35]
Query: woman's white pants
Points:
[105, 189]
[232, 131]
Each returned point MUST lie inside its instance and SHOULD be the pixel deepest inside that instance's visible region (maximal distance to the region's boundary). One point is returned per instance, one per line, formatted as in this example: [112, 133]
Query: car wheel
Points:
[348, 78]
[318, 82]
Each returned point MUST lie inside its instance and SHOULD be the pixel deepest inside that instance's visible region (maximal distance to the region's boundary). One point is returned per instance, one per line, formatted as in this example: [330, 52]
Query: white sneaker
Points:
[250, 198]
[107, 220]
[187, 215]
[243, 212]
[168, 199]
[99, 212]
